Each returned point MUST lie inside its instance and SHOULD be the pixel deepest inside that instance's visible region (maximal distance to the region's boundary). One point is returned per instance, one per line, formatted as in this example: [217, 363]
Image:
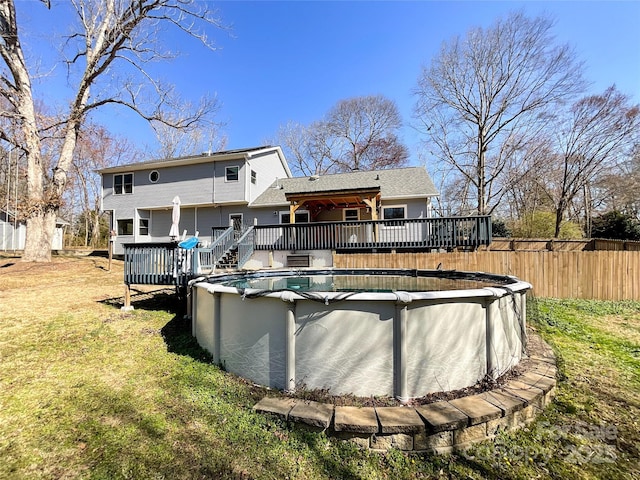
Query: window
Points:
[231, 174]
[301, 217]
[154, 176]
[125, 226]
[254, 177]
[393, 213]
[143, 227]
[352, 214]
[122, 183]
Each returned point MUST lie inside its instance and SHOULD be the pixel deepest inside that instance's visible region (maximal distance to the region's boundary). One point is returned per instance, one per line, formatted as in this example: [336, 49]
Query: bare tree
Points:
[356, 134]
[365, 132]
[619, 189]
[192, 140]
[112, 42]
[596, 136]
[488, 92]
[309, 148]
[96, 148]
[523, 181]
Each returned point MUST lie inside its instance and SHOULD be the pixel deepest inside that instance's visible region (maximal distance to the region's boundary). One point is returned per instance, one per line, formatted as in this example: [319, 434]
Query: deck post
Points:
[127, 307]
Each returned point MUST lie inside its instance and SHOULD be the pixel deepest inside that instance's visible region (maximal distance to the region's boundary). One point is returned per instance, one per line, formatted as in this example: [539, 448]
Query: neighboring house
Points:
[13, 232]
[215, 190]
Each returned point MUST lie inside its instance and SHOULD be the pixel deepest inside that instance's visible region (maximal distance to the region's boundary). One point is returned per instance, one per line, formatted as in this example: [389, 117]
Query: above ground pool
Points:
[401, 333]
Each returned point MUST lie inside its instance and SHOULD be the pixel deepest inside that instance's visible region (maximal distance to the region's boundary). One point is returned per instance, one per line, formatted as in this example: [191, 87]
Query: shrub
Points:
[615, 225]
[542, 225]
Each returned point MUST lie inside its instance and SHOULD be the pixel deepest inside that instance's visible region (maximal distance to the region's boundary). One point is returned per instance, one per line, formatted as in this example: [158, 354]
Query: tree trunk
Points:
[40, 227]
[587, 211]
[559, 215]
[482, 205]
[95, 228]
[40, 230]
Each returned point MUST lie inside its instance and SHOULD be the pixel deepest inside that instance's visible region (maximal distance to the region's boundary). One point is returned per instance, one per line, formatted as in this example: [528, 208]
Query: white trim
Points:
[226, 179]
[113, 184]
[286, 212]
[344, 213]
[404, 208]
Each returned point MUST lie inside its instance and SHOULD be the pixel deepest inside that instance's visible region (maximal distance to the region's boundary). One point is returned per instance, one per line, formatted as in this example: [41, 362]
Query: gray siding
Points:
[198, 184]
[265, 216]
[161, 224]
[415, 208]
[235, 191]
[192, 183]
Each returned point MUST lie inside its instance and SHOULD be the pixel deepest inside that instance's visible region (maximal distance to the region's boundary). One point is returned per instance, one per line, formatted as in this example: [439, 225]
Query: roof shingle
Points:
[411, 182]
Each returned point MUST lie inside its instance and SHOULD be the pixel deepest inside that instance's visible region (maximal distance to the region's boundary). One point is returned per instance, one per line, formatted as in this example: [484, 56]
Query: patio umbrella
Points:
[174, 233]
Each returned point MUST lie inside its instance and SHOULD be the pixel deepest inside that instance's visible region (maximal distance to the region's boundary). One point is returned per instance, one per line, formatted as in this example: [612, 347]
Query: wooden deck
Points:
[168, 264]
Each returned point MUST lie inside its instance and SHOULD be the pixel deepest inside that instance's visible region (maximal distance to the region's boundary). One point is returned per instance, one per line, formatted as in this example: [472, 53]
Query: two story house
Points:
[214, 190]
[310, 216]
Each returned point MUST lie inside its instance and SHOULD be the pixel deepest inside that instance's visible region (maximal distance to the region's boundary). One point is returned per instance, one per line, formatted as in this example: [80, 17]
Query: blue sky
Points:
[292, 61]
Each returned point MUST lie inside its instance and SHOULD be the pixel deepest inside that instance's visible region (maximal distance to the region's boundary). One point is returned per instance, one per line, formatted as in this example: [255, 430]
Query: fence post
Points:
[127, 307]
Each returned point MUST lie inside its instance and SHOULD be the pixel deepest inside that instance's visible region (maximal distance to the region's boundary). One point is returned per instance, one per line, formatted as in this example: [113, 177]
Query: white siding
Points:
[268, 168]
[11, 239]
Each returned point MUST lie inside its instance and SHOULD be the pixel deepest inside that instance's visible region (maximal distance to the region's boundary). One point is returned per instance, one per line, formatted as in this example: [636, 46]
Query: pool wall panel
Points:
[346, 345]
[504, 341]
[203, 319]
[253, 339]
[445, 346]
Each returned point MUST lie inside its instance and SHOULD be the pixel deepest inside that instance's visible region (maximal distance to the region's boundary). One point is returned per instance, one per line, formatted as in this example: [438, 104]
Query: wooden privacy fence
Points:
[555, 244]
[602, 275]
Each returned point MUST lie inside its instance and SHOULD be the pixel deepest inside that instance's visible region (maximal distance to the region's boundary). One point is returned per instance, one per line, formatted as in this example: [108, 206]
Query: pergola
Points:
[316, 202]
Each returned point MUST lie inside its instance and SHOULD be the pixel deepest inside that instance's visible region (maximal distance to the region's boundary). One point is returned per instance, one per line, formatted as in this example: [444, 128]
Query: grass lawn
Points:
[89, 392]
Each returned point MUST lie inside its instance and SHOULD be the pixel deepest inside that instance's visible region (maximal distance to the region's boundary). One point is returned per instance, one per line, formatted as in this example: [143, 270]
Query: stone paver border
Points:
[440, 427]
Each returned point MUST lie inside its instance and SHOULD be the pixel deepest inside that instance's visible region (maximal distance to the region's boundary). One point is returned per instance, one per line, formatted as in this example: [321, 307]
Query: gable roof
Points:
[393, 184]
[238, 154]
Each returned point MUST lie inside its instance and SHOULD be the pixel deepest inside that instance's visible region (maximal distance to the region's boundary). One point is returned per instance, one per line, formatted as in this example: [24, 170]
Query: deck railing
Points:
[151, 264]
[168, 264]
[421, 233]
[207, 257]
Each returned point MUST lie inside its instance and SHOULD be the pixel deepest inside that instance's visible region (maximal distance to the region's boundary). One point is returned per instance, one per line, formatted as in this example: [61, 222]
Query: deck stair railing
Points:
[246, 247]
[208, 257]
